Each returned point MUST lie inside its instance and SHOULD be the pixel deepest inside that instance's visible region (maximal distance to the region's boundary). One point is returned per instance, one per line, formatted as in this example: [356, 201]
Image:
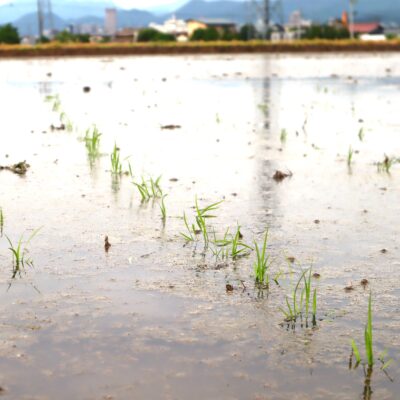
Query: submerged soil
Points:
[154, 317]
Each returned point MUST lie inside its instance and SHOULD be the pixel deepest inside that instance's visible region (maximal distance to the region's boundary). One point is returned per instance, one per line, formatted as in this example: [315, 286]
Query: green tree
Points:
[66, 37]
[248, 32]
[207, 34]
[325, 32]
[9, 34]
[228, 35]
[152, 35]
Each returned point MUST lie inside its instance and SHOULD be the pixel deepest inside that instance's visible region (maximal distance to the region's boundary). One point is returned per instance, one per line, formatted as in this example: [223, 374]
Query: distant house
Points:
[220, 25]
[368, 28]
[392, 30]
[126, 35]
[173, 26]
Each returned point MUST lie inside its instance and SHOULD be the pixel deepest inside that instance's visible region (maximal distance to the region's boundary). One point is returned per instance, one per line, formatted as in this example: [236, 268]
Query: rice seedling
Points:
[155, 187]
[350, 156]
[283, 136]
[20, 252]
[263, 108]
[116, 166]
[233, 244]
[188, 236]
[220, 252]
[148, 189]
[261, 265]
[368, 344]
[69, 126]
[361, 134]
[200, 225]
[217, 118]
[163, 208]
[298, 305]
[382, 359]
[202, 215]
[386, 164]
[56, 103]
[130, 169]
[48, 98]
[238, 247]
[143, 190]
[92, 142]
[1, 222]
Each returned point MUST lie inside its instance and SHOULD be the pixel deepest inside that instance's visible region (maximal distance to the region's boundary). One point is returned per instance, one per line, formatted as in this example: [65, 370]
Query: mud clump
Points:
[364, 282]
[279, 176]
[107, 244]
[229, 287]
[170, 127]
[57, 128]
[20, 168]
[2, 391]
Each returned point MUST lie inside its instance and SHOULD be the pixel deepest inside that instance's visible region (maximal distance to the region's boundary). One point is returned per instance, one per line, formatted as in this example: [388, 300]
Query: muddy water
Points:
[151, 319]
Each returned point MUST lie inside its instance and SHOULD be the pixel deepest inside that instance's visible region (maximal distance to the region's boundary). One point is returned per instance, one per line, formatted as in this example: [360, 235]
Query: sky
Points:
[119, 3]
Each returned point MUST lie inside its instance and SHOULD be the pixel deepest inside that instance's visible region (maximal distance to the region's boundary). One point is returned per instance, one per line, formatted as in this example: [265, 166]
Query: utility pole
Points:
[352, 3]
[267, 16]
[40, 18]
[50, 11]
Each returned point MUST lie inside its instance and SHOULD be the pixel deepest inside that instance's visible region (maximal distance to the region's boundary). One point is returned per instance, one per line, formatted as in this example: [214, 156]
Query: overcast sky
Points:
[118, 3]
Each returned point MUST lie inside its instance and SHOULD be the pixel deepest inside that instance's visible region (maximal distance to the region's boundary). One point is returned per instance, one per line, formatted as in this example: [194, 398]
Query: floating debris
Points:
[364, 282]
[280, 176]
[20, 168]
[229, 287]
[171, 127]
[57, 128]
[349, 288]
[107, 244]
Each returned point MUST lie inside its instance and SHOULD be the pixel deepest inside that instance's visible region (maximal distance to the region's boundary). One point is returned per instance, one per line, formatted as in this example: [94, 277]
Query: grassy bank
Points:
[111, 49]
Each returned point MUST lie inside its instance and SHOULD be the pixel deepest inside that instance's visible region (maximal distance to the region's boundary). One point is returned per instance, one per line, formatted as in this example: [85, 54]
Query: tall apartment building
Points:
[110, 25]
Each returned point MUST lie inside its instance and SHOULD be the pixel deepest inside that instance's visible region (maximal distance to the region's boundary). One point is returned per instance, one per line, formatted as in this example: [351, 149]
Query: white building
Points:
[110, 24]
[172, 26]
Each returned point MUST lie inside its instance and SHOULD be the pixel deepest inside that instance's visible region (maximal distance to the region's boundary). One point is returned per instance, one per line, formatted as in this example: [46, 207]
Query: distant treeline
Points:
[9, 35]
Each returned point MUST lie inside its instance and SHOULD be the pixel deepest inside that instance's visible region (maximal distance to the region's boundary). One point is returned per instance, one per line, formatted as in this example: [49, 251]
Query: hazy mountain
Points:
[28, 24]
[137, 18]
[317, 10]
[224, 9]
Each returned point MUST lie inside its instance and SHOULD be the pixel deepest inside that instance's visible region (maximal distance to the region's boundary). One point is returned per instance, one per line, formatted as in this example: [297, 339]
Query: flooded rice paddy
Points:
[155, 316]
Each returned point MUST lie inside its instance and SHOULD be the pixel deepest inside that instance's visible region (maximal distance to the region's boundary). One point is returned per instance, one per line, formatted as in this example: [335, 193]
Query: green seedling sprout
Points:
[163, 209]
[188, 236]
[263, 108]
[350, 154]
[283, 136]
[368, 344]
[361, 134]
[387, 163]
[116, 166]
[299, 303]
[261, 264]
[92, 142]
[1, 221]
[20, 253]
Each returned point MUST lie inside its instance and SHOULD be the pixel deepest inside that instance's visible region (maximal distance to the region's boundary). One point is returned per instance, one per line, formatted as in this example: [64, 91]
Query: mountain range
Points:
[70, 12]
